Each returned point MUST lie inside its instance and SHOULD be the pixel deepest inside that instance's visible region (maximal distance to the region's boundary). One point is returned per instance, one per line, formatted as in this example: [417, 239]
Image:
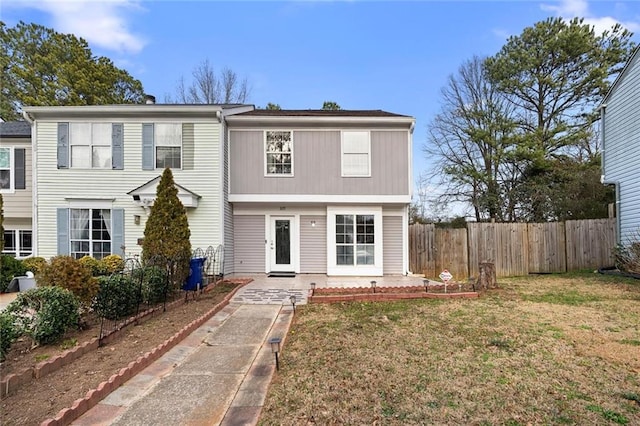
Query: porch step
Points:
[278, 274]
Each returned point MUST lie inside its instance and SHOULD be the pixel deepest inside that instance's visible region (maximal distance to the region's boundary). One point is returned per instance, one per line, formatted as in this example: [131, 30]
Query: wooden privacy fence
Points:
[514, 248]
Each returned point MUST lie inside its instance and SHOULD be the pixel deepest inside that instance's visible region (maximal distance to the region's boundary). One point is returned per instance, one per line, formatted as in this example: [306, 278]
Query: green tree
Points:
[43, 67]
[166, 234]
[555, 73]
[273, 106]
[330, 106]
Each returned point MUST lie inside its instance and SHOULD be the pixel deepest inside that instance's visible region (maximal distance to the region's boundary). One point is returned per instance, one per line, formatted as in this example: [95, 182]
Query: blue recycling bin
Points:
[194, 280]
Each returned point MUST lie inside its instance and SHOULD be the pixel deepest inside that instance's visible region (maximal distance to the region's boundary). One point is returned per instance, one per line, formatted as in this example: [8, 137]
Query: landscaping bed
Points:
[434, 290]
[43, 398]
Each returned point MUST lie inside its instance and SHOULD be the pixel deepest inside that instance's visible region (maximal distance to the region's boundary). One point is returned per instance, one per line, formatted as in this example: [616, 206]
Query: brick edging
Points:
[94, 396]
[14, 380]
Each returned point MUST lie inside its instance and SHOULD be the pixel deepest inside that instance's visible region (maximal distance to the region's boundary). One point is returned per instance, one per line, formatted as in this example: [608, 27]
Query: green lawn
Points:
[540, 350]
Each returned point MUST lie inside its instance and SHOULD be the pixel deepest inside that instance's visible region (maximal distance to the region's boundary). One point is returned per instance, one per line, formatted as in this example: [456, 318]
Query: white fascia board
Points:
[123, 111]
[283, 120]
[313, 198]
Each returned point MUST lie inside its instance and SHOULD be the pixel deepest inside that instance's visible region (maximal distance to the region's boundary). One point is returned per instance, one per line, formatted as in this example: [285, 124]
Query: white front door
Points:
[281, 243]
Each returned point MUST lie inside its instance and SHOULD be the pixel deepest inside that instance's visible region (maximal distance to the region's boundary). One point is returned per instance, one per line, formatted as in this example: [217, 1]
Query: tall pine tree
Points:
[166, 234]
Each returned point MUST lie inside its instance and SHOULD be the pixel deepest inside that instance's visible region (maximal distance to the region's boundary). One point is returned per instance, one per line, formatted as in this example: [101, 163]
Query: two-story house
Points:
[620, 132]
[15, 187]
[96, 169]
[317, 191]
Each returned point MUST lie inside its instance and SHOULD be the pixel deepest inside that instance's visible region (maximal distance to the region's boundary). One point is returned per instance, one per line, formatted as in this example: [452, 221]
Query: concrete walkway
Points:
[220, 374]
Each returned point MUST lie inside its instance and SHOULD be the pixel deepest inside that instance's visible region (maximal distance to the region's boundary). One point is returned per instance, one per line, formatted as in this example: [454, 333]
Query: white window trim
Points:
[17, 240]
[155, 145]
[90, 144]
[342, 133]
[12, 171]
[264, 153]
[354, 270]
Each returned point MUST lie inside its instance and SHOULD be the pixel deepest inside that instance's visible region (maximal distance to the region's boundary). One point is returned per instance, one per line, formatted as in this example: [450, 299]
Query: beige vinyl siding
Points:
[56, 186]
[622, 148]
[19, 205]
[317, 165]
[313, 245]
[249, 248]
[393, 238]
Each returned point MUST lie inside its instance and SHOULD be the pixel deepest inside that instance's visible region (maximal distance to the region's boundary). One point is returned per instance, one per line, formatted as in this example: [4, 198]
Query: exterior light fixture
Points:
[293, 302]
[313, 223]
[275, 348]
[373, 286]
[313, 289]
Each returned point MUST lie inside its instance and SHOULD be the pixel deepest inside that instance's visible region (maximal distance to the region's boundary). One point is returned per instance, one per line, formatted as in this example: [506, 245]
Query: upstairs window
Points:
[90, 145]
[168, 142]
[6, 169]
[279, 152]
[356, 154]
[12, 169]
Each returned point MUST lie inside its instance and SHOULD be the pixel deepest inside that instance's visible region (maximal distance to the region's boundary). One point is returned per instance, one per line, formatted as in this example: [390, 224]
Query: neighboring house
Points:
[15, 187]
[620, 128]
[317, 191]
[97, 168]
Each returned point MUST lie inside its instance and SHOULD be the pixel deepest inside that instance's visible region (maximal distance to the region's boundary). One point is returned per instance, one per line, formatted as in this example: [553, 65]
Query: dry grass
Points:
[541, 350]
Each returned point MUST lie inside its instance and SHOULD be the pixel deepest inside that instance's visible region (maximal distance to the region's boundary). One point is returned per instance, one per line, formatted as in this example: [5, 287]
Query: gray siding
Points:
[622, 147]
[392, 244]
[313, 245]
[317, 165]
[18, 205]
[248, 250]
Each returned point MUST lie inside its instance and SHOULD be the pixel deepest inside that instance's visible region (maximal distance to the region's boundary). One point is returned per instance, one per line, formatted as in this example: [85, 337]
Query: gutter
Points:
[603, 178]
[34, 183]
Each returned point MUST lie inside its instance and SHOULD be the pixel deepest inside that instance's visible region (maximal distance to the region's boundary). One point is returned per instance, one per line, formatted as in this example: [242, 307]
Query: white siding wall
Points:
[54, 186]
[249, 237]
[622, 147]
[313, 245]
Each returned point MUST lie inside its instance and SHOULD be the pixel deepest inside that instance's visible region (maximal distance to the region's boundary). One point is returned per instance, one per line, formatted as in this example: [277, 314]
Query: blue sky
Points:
[390, 55]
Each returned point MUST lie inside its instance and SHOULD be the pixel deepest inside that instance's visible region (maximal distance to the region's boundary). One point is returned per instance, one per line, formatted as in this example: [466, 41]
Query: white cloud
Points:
[103, 24]
[569, 9]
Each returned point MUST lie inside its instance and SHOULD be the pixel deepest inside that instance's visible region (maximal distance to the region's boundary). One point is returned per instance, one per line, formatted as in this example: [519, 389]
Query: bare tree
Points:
[472, 142]
[209, 87]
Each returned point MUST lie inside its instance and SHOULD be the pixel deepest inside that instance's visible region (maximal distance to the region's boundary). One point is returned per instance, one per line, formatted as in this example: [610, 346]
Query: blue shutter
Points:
[63, 231]
[19, 164]
[117, 232]
[63, 145]
[147, 147]
[117, 147]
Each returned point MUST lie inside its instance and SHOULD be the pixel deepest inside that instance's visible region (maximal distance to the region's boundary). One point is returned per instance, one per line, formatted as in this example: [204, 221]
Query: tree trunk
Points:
[486, 277]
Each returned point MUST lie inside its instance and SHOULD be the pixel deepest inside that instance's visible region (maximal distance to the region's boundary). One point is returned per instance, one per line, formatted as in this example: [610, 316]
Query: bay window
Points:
[355, 239]
[90, 233]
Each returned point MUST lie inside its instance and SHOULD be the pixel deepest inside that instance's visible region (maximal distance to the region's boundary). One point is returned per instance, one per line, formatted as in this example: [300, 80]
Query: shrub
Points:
[34, 264]
[627, 257]
[9, 267]
[66, 272]
[112, 264]
[117, 297]
[93, 265]
[8, 333]
[45, 313]
[154, 284]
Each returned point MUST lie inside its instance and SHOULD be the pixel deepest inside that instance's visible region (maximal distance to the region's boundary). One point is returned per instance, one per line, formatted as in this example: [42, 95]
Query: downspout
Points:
[603, 177]
[34, 184]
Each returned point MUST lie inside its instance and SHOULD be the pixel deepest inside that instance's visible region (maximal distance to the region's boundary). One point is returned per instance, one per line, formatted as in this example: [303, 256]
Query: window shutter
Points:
[147, 147]
[117, 147]
[117, 232]
[63, 145]
[20, 173]
[63, 231]
[188, 146]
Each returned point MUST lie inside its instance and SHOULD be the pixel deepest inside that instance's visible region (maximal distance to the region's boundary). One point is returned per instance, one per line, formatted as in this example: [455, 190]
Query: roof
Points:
[622, 74]
[15, 129]
[320, 113]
